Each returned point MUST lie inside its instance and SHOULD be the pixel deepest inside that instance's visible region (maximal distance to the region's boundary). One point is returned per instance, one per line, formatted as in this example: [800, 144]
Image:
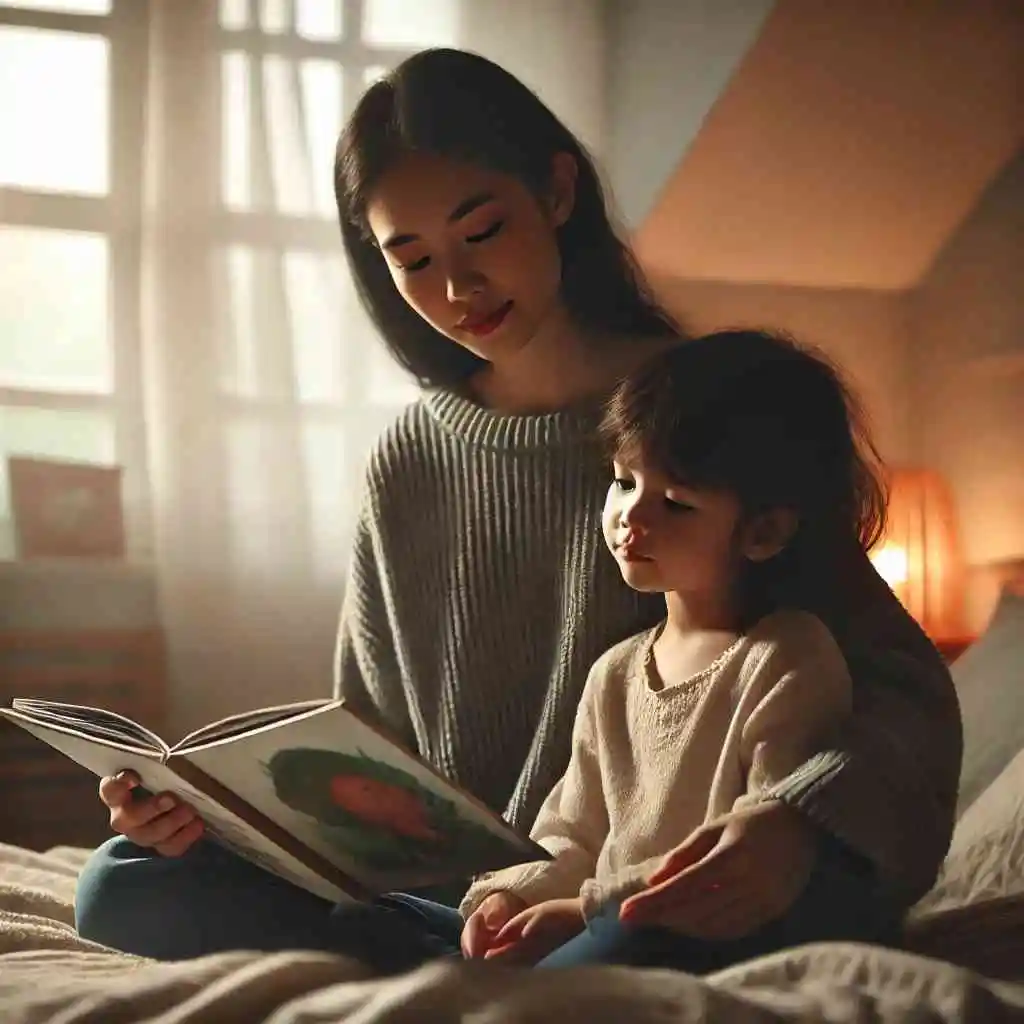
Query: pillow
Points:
[986, 858]
[989, 680]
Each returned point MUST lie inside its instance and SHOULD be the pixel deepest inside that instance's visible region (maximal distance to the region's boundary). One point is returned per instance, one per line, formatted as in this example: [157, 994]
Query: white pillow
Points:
[986, 857]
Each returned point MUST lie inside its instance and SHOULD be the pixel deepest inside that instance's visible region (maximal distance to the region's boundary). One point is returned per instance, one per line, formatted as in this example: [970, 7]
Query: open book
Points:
[311, 792]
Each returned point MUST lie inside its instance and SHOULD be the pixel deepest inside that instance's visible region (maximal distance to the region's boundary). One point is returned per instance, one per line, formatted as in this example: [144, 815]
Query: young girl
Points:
[743, 480]
[478, 598]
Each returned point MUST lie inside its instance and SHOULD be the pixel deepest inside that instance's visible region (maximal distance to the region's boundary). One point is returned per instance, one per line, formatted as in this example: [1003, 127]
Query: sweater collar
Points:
[477, 425]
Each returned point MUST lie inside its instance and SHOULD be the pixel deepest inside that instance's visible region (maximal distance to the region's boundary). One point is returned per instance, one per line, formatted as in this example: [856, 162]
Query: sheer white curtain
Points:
[172, 231]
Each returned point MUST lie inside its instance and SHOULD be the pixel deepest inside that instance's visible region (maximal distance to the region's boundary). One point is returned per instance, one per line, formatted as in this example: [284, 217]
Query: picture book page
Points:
[367, 806]
[222, 824]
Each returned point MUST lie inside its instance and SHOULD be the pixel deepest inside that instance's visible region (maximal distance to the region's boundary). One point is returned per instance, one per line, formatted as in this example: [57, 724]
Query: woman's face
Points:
[473, 251]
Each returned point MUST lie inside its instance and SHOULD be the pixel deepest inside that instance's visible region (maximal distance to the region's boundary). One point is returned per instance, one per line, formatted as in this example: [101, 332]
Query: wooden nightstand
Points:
[67, 633]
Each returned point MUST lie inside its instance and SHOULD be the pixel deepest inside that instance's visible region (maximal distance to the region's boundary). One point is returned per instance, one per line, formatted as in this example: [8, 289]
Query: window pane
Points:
[53, 110]
[236, 184]
[53, 308]
[234, 14]
[315, 310]
[49, 433]
[63, 6]
[288, 167]
[314, 19]
[325, 448]
[373, 74]
[410, 23]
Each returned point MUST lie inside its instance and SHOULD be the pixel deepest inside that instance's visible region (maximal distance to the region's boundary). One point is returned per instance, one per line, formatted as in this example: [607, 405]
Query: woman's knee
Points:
[109, 884]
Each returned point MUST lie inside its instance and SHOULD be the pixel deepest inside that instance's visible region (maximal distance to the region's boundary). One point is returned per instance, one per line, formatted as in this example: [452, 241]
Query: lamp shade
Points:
[919, 556]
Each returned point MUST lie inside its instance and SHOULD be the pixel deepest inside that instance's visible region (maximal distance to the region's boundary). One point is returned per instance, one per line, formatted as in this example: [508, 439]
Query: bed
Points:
[964, 957]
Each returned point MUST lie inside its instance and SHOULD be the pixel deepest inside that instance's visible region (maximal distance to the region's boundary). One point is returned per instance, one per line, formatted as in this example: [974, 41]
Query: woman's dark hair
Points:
[770, 421]
[460, 105]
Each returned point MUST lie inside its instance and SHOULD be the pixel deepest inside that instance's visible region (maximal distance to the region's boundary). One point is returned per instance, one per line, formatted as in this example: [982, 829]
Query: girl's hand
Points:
[162, 822]
[484, 924]
[730, 877]
[537, 931]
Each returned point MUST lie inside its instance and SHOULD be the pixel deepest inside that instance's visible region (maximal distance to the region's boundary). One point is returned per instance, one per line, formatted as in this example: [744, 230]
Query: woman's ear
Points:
[767, 533]
[562, 192]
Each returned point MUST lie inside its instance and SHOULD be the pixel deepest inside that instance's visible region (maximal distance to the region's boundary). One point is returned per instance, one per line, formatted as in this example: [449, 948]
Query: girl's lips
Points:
[631, 554]
[486, 324]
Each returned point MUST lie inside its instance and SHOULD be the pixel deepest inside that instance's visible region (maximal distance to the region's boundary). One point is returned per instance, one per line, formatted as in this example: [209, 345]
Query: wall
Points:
[534, 39]
[967, 359]
[668, 61]
[865, 332]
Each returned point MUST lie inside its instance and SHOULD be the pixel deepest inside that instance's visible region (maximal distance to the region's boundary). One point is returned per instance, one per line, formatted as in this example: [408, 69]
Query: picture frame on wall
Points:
[66, 509]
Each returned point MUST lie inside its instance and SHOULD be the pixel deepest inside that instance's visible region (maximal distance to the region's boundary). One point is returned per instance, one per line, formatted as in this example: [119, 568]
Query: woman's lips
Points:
[481, 325]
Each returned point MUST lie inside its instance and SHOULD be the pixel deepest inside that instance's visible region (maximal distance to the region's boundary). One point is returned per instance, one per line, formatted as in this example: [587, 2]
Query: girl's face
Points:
[666, 537]
[473, 251]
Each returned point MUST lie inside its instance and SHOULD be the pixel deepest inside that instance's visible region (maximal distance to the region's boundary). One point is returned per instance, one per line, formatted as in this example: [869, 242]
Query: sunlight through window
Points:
[53, 307]
[54, 90]
[316, 20]
[410, 23]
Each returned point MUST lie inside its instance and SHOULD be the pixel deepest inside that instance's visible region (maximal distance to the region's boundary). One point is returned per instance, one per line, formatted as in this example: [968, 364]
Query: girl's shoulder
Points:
[794, 636]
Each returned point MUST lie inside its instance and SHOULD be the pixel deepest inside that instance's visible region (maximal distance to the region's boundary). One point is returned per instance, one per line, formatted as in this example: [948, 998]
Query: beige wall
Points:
[865, 332]
[967, 383]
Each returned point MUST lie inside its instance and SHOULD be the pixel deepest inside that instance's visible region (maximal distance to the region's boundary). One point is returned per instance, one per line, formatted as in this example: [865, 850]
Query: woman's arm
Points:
[887, 786]
[367, 672]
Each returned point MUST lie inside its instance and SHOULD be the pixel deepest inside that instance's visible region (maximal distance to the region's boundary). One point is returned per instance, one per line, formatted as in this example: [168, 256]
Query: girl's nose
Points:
[634, 519]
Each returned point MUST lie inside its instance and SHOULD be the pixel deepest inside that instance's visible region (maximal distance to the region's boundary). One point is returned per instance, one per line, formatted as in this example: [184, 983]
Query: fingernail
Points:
[165, 803]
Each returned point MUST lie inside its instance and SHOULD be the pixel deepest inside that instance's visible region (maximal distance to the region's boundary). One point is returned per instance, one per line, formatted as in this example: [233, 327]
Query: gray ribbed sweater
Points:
[480, 594]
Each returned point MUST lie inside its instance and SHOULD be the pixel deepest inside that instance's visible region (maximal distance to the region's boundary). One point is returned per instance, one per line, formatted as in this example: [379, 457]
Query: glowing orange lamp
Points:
[919, 556]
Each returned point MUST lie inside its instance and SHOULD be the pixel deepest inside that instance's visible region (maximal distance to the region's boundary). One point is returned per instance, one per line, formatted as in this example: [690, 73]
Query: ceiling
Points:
[851, 141]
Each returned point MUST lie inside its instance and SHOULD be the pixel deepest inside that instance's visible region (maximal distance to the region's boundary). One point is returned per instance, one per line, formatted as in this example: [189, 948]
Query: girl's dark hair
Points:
[456, 104]
[762, 417]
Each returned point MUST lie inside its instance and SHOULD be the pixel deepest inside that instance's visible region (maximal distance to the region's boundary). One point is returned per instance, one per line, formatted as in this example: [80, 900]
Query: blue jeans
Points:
[210, 900]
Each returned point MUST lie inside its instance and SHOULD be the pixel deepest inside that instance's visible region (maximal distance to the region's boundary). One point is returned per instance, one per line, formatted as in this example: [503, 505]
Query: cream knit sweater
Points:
[652, 763]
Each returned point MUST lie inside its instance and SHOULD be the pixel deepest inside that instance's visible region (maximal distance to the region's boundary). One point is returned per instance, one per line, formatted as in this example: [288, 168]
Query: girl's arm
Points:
[572, 824]
[794, 692]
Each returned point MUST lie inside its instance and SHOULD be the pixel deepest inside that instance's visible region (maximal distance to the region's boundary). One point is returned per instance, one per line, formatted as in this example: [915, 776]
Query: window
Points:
[70, 279]
[293, 352]
[296, 346]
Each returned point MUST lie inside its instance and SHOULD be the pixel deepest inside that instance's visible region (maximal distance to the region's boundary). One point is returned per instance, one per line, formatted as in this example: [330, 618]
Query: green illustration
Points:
[380, 815]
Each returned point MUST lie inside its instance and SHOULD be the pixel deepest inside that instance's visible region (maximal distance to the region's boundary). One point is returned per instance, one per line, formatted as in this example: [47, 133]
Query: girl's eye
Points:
[488, 233]
[678, 506]
[622, 484]
[411, 268]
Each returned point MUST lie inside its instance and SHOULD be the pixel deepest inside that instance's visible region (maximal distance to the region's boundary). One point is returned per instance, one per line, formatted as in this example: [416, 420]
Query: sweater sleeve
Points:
[887, 785]
[794, 691]
[799, 697]
[367, 673]
[572, 824]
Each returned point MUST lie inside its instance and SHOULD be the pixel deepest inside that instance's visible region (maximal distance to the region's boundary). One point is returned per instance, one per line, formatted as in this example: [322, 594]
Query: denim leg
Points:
[396, 932]
[841, 902]
[209, 900]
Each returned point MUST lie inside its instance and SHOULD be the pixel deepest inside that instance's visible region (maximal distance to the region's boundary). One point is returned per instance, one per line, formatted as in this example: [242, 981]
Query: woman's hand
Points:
[537, 931]
[484, 924]
[162, 822]
[731, 876]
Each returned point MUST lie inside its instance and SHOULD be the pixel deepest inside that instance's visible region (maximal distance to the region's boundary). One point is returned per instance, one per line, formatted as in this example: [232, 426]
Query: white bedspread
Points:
[48, 974]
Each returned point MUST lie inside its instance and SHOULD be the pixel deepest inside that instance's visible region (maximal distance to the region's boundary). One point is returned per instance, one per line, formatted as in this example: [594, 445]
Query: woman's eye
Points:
[488, 233]
[411, 268]
[623, 484]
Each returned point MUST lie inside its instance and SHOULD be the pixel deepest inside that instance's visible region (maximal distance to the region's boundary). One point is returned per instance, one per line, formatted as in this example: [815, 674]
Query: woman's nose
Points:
[463, 284]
